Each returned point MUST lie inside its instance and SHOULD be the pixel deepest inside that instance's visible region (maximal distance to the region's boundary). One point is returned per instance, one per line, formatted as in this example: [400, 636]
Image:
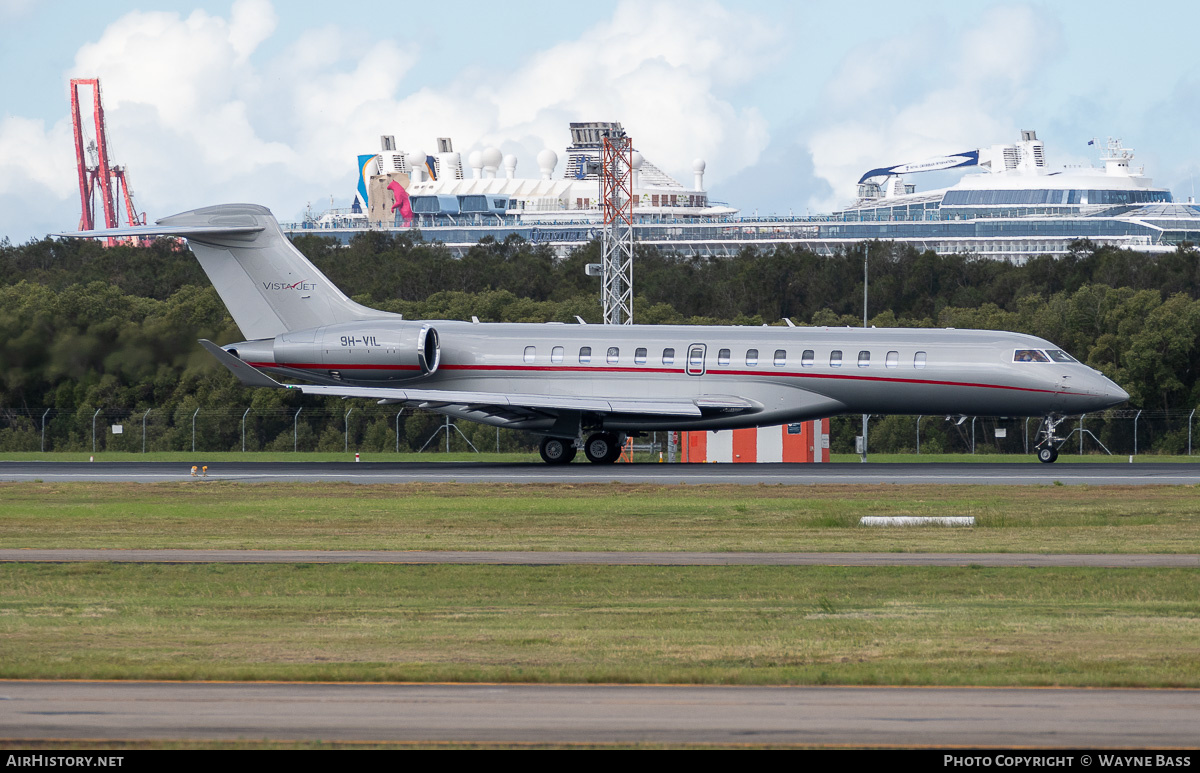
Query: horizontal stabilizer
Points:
[268, 286]
[246, 373]
[182, 231]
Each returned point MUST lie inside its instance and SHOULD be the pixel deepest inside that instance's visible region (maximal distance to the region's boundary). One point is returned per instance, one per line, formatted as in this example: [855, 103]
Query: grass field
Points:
[740, 624]
[449, 516]
[728, 625]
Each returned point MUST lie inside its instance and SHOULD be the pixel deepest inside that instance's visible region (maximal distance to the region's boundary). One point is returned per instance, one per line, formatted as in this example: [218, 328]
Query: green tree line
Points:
[84, 327]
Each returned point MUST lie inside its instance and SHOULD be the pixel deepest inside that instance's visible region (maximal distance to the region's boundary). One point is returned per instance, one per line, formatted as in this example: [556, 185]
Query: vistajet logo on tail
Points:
[301, 285]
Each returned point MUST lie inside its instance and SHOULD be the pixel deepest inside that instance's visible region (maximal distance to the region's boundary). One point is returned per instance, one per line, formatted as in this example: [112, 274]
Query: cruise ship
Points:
[1009, 205]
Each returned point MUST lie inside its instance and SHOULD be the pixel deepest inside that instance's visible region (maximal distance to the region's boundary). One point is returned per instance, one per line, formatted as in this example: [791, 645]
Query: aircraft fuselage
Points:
[789, 374]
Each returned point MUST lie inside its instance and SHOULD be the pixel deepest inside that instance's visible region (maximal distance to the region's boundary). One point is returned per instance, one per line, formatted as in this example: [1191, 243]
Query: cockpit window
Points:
[1058, 355]
[1030, 355]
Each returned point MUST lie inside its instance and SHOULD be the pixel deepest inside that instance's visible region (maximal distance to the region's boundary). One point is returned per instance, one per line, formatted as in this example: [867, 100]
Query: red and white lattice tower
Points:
[616, 244]
[108, 179]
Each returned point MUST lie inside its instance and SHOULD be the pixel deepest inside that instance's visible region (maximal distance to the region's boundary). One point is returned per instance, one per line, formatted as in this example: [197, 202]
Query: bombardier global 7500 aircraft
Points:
[591, 386]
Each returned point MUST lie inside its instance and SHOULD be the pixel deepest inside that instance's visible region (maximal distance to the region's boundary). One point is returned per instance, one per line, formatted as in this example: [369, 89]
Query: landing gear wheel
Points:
[1048, 442]
[1047, 455]
[602, 448]
[555, 450]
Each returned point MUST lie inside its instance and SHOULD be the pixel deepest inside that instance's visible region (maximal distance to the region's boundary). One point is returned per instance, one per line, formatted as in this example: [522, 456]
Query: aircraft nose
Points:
[1116, 393]
[1090, 391]
[1106, 390]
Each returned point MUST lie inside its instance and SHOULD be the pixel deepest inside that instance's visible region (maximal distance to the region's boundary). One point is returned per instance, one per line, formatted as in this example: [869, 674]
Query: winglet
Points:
[247, 374]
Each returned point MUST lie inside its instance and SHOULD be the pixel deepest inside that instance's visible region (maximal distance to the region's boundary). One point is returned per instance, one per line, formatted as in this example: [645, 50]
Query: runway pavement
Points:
[1012, 474]
[858, 716]
[610, 558]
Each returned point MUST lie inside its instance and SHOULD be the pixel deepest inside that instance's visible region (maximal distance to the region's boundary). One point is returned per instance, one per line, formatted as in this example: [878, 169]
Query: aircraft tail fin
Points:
[268, 286]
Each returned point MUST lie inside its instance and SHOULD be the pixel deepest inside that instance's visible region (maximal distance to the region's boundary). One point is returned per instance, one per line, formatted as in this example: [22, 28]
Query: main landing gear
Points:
[555, 450]
[1048, 442]
[603, 447]
[600, 448]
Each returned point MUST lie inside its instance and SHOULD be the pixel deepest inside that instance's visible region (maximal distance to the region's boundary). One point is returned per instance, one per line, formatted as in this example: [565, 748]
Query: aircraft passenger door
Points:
[695, 359]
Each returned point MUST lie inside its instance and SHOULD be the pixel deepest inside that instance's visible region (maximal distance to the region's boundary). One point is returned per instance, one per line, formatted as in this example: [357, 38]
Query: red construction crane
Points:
[109, 179]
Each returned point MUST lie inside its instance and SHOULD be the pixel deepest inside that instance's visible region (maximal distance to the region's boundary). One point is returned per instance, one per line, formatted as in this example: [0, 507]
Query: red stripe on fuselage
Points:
[601, 369]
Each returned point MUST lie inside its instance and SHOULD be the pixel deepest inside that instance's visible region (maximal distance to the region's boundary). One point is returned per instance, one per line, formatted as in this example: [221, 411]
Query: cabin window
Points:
[668, 356]
[893, 360]
[752, 357]
[696, 357]
[639, 356]
[919, 360]
[585, 354]
[807, 358]
[780, 358]
[835, 358]
[723, 357]
[530, 353]
[1030, 355]
[864, 359]
[614, 354]
[556, 354]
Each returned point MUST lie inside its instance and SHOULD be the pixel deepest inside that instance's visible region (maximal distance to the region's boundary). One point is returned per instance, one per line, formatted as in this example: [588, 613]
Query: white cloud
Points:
[198, 115]
[660, 69]
[251, 22]
[915, 96]
[32, 155]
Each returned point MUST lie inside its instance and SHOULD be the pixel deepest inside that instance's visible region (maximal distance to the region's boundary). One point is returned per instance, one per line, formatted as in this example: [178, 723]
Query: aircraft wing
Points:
[251, 376]
[438, 397]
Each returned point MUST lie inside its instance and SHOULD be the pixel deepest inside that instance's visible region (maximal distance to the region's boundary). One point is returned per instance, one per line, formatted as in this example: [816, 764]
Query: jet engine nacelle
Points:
[387, 350]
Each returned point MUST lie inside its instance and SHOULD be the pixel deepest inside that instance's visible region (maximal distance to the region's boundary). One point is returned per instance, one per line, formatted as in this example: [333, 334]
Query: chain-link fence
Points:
[1121, 432]
[371, 428]
[376, 428]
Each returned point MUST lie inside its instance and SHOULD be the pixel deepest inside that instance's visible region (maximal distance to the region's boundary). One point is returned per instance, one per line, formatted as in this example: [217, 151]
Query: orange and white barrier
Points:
[806, 441]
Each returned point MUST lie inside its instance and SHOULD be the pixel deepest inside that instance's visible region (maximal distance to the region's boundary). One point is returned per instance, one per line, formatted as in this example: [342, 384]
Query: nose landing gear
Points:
[1048, 442]
[1047, 455]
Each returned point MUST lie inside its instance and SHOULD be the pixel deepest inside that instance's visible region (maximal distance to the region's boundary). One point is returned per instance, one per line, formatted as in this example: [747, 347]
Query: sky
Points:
[787, 102]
